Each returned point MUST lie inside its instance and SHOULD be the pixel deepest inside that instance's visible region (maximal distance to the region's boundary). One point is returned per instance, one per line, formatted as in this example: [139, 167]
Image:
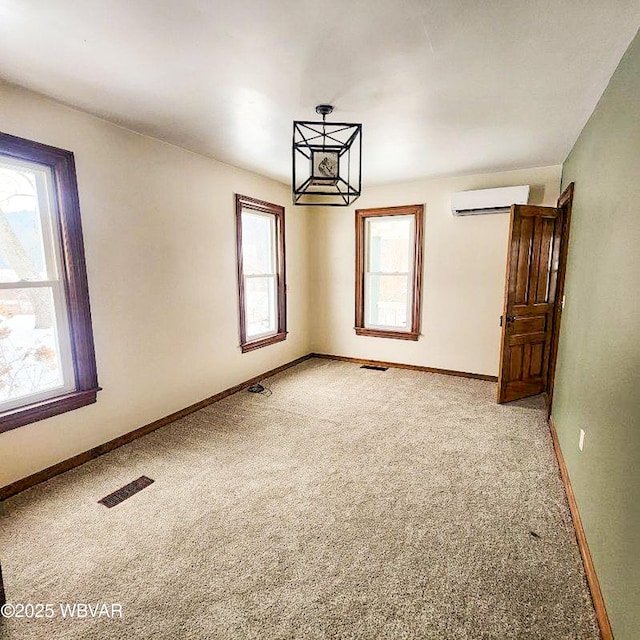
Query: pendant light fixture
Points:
[327, 161]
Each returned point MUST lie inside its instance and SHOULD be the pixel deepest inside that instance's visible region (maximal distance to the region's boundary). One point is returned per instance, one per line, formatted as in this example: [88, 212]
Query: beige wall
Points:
[463, 282]
[160, 243]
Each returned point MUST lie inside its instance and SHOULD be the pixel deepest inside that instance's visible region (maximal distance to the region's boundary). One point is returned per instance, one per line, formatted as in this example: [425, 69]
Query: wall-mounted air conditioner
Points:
[467, 203]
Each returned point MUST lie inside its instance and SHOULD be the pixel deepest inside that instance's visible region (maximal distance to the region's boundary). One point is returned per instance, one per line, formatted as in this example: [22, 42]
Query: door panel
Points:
[530, 289]
[529, 324]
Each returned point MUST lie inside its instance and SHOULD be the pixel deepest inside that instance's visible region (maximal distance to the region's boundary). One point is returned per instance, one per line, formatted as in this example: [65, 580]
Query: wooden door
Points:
[533, 259]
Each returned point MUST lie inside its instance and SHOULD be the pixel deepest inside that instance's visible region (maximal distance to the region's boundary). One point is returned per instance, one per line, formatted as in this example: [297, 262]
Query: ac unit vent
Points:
[482, 201]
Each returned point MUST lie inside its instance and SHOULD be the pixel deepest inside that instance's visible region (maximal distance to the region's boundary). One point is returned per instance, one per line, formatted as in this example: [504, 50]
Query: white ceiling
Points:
[441, 86]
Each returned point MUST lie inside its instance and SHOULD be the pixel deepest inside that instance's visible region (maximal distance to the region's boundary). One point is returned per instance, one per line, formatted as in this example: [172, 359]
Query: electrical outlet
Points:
[581, 440]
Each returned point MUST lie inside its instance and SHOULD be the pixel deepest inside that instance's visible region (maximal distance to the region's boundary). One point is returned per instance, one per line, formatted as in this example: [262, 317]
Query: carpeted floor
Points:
[349, 504]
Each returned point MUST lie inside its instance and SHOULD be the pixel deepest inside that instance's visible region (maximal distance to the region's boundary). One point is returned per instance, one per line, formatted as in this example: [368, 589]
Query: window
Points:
[47, 361]
[388, 272]
[261, 273]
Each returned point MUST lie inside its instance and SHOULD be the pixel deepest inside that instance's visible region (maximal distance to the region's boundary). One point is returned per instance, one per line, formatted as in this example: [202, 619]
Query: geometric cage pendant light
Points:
[327, 161]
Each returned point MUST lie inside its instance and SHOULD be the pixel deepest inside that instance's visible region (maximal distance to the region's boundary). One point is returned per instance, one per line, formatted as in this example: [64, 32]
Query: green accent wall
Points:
[597, 384]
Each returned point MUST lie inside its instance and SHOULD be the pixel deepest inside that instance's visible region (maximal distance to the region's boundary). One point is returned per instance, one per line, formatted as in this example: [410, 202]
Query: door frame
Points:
[565, 202]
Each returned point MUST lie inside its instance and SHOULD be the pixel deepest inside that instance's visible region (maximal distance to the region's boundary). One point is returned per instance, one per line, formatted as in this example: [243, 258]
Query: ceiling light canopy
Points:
[327, 161]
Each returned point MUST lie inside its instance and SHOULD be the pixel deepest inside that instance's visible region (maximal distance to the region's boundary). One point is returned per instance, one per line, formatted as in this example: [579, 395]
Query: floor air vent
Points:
[373, 367]
[125, 492]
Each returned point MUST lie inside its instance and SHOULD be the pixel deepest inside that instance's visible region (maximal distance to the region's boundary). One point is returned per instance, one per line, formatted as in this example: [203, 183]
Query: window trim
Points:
[361, 215]
[260, 206]
[74, 277]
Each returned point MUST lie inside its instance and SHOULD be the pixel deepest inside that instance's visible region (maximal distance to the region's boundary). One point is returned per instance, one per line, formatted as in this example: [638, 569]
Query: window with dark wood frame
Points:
[63, 285]
[261, 273]
[409, 329]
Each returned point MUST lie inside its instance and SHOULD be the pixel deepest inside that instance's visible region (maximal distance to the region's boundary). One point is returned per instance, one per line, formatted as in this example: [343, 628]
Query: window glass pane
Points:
[31, 344]
[260, 305]
[387, 301]
[389, 244]
[257, 243]
[24, 223]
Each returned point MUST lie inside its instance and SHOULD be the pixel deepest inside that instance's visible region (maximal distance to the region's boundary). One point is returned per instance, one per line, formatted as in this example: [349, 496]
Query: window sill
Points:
[264, 342]
[381, 333]
[21, 416]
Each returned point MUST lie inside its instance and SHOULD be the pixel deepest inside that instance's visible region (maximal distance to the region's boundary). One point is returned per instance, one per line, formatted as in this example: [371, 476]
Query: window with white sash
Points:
[260, 231]
[389, 259]
[47, 364]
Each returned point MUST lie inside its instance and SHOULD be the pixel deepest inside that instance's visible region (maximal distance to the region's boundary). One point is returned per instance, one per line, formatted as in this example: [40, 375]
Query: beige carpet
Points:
[349, 504]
